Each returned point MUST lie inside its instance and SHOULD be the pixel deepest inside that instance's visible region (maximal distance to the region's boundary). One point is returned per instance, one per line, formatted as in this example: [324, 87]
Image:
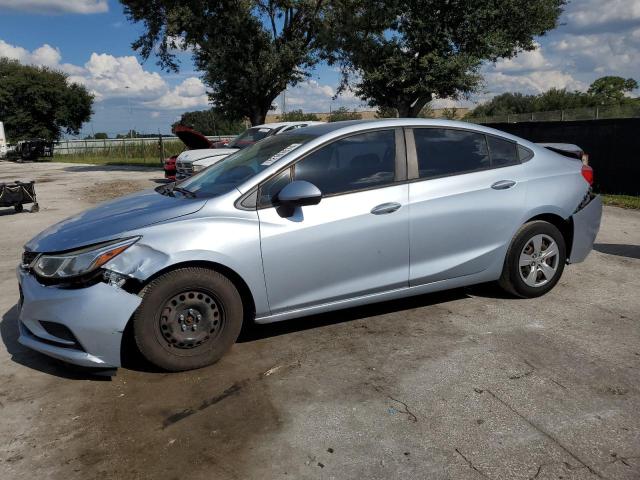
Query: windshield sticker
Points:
[274, 158]
[264, 130]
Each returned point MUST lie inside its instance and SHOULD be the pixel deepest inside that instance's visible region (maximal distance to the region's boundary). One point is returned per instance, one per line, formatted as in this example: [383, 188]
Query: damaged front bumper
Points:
[586, 223]
[83, 326]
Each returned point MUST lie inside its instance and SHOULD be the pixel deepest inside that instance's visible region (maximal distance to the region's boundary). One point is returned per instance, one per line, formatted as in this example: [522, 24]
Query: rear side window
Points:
[502, 152]
[445, 151]
[358, 162]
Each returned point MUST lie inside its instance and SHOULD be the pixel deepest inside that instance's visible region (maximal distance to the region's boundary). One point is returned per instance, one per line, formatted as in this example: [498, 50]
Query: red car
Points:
[193, 140]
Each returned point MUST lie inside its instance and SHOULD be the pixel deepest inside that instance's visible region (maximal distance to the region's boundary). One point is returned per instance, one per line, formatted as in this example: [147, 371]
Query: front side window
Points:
[358, 162]
[445, 151]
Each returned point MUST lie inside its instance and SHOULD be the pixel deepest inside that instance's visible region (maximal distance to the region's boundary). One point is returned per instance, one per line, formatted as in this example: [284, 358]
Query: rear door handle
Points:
[385, 208]
[503, 184]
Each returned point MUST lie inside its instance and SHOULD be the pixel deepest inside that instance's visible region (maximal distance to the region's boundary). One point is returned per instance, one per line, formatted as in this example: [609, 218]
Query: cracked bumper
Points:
[96, 316]
[586, 224]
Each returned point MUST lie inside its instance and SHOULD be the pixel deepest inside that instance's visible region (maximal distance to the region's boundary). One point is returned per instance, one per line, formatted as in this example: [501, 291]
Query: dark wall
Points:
[613, 146]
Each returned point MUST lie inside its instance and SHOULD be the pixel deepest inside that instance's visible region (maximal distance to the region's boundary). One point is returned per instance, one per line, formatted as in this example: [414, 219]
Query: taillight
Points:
[587, 173]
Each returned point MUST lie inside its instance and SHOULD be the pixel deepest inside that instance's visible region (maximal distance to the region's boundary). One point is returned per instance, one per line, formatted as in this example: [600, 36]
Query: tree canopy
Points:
[249, 51]
[298, 116]
[38, 102]
[342, 114]
[210, 122]
[603, 91]
[403, 53]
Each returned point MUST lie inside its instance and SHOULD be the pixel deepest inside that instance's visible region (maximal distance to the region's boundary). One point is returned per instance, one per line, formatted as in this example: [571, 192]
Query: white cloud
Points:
[525, 61]
[108, 77]
[586, 15]
[535, 82]
[154, 114]
[55, 6]
[190, 94]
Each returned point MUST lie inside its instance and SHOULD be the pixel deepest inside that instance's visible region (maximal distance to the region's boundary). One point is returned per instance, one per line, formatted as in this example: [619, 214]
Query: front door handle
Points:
[385, 208]
[503, 184]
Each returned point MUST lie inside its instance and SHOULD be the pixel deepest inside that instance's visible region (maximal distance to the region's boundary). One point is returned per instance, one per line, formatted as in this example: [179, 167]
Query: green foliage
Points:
[608, 91]
[342, 114]
[611, 89]
[298, 116]
[386, 112]
[101, 136]
[450, 113]
[406, 52]
[249, 50]
[210, 122]
[38, 102]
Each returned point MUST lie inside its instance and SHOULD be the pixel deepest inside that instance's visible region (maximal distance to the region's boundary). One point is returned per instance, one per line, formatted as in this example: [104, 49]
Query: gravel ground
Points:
[465, 384]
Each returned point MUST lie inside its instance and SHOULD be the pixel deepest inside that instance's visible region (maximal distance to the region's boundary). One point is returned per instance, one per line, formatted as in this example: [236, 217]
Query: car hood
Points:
[112, 219]
[192, 138]
[193, 155]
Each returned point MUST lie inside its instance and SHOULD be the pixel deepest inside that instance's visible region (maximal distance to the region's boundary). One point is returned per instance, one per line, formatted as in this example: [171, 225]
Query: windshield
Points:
[239, 167]
[249, 137]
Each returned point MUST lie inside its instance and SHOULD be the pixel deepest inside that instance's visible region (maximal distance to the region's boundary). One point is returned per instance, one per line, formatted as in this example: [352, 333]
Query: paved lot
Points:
[462, 385]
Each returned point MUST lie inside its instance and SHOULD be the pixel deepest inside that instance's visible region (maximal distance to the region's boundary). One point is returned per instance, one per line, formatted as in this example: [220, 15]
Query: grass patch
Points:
[624, 201]
[109, 160]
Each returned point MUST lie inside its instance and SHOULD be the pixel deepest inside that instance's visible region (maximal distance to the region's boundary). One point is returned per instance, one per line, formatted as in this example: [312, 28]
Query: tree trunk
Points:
[411, 108]
[257, 116]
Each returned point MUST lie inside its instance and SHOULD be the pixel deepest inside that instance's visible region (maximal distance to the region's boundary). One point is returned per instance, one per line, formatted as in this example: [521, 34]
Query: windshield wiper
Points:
[184, 191]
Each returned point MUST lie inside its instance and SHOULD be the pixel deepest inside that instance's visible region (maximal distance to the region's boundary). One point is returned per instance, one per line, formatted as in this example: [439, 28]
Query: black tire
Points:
[512, 279]
[213, 309]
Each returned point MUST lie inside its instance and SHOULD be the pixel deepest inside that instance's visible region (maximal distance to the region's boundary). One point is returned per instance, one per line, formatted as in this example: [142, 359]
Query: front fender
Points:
[231, 242]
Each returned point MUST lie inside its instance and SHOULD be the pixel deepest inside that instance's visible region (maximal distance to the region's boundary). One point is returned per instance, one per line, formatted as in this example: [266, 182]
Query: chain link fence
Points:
[143, 150]
[587, 113]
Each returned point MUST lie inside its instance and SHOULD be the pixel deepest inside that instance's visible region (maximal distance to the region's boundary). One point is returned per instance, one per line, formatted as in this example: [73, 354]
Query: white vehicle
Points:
[193, 161]
[3, 142]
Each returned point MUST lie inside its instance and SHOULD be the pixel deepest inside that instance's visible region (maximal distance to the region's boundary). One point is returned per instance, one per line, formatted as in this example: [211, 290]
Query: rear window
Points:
[250, 136]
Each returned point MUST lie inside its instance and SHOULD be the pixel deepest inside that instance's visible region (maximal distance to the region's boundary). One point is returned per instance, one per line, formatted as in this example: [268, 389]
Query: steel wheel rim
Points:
[539, 260]
[188, 320]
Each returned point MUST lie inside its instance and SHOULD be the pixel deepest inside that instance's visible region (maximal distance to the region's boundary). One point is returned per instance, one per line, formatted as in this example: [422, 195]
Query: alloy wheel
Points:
[539, 260]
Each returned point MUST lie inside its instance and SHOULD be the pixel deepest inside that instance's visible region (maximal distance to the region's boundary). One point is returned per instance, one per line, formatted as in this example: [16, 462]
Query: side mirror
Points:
[298, 194]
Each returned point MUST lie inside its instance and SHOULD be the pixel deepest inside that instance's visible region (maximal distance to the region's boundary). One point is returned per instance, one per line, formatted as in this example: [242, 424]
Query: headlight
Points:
[198, 168]
[79, 262]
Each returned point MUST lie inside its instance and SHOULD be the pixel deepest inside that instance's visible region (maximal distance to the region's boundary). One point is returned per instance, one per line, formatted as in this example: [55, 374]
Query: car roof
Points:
[335, 129]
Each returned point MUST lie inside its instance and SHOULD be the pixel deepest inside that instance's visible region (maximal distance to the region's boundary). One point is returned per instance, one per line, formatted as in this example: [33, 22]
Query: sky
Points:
[91, 40]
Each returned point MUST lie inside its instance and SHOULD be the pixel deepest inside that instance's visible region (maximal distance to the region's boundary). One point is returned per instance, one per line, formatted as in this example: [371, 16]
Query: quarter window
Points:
[503, 152]
[357, 162]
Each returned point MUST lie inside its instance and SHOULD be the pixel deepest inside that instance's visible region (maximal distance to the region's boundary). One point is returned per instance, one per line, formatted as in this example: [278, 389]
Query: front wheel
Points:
[188, 319]
[535, 260]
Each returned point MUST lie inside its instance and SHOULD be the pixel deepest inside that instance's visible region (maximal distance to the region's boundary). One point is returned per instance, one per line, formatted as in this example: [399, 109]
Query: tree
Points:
[298, 116]
[450, 113]
[611, 89]
[210, 122]
[38, 102]
[504, 104]
[249, 51]
[342, 114]
[406, 52]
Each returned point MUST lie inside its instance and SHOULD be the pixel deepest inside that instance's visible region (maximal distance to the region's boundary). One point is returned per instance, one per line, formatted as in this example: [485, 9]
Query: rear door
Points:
[466, 194]
[356, 240]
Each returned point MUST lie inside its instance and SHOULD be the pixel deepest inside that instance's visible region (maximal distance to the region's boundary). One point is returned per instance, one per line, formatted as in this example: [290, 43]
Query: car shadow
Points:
[133, 360]
[618, 249]
[253, 331]
[37, 361]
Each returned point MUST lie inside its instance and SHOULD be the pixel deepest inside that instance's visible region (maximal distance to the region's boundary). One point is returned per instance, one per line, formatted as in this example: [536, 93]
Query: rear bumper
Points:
[96, 316]
[586, 224]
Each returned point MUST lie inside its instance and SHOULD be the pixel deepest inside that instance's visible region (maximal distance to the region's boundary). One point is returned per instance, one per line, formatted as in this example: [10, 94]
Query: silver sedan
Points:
[317, 219]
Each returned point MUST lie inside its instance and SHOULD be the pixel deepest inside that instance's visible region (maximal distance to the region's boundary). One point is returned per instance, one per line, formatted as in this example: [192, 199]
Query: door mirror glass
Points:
[299, 193]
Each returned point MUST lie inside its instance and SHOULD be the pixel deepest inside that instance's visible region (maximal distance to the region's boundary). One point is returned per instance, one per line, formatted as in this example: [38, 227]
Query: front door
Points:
[355, 241]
